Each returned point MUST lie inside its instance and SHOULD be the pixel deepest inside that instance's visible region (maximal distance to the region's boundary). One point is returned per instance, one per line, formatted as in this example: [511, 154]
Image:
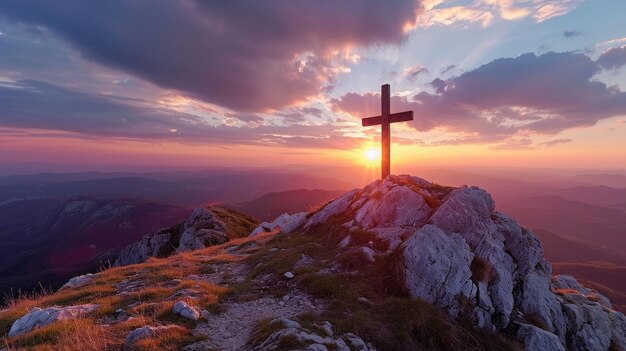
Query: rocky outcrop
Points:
[207, 226]
[535, 338]
[459, 253]
[38, 317]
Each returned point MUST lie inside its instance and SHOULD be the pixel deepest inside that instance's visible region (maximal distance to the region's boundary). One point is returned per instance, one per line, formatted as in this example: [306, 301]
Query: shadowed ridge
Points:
[206, 226]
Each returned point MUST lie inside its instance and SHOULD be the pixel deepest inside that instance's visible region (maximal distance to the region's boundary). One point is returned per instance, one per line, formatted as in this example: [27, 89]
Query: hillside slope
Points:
[402, 264]
[47, 241]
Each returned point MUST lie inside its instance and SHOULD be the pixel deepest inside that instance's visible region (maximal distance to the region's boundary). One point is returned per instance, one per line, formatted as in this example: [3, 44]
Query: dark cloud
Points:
[543, 94]
[34, 105]
[314, 111]
[613, 58]
[572, 33]
[248, 55]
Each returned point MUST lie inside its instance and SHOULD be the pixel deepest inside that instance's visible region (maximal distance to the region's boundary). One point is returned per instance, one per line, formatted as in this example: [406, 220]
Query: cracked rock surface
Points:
[461, 254]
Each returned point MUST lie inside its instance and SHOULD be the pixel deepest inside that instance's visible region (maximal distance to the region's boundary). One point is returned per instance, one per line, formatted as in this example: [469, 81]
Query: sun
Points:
[371, 155]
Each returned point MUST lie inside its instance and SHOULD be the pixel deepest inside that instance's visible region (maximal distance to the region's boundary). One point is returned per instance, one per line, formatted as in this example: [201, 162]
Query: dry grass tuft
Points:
[566, 291]
[74, 335]
[482, 270]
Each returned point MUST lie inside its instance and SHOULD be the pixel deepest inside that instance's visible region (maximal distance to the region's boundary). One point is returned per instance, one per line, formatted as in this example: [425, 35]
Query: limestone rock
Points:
[144, 332]
[588, 327]
[286, 223]
[192, 239]
[459, 253]
[335, 207]
[78, 281]
[149, 246]
[397, 207]
[534, 338]
[204, 227]
[183, 309]
[306, 339]
[437, 268]
[38, 317]
[201, 229]
[386, 208]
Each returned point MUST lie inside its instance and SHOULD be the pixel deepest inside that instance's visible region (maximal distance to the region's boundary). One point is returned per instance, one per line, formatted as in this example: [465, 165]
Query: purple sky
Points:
[198, 82]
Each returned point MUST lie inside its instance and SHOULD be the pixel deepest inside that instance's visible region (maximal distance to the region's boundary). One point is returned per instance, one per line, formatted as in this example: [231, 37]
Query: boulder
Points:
[38, 317]
[78, 281]
[333, 208]
[437, 268]
[397, 207]
[588, 326]
[534, 338]
[285, 223]
[145, 332]
[183, 309]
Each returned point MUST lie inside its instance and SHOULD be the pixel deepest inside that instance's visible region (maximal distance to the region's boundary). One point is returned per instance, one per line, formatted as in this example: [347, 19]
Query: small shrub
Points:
[615, 347]
[482, 270]
[566, 291]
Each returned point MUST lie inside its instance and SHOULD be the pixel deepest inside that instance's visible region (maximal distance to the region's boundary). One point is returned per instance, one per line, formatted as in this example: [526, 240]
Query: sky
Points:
[530, 83]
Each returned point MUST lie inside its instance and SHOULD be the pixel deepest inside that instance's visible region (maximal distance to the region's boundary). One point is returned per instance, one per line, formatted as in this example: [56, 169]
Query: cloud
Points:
[447, 69]
[411, 73]
[35, 105]
[527, 144]
[572, 33]
[248, 55]
[613, 58]
[510, 97]
[485, 12]
[554, 142]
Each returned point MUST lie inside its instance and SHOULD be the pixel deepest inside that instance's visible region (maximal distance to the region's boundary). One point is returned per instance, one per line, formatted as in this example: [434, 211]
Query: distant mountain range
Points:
[272, 205]
[582, 223]
[47, 241]
[179, 188]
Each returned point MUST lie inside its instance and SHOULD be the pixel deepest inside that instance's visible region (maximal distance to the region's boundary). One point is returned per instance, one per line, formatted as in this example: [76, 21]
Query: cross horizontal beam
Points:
[393, 118]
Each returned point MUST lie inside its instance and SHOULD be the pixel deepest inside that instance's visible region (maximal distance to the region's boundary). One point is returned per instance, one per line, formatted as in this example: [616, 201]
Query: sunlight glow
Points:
[372, 155]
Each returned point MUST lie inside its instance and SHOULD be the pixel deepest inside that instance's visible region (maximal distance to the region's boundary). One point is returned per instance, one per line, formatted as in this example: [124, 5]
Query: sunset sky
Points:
[533, 83]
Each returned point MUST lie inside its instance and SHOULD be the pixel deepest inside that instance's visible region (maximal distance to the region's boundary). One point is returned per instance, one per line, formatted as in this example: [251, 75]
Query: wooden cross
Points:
[385, 119]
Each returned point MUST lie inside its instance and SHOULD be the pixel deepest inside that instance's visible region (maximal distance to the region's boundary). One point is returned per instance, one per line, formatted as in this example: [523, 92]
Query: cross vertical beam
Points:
[385, 135]
[384, 120]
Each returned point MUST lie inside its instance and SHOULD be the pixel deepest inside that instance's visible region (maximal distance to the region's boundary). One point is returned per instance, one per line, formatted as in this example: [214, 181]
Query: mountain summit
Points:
[402, 264]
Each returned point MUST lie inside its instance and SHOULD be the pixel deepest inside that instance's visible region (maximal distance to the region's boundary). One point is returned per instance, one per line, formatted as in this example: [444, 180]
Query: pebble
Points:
[288, 275]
